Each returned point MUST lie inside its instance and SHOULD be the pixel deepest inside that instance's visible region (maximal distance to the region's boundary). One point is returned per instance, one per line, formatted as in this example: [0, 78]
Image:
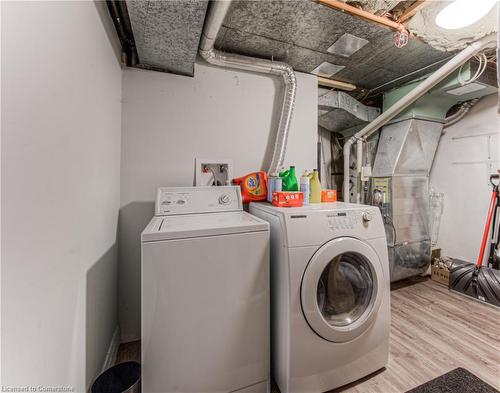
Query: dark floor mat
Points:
[456, 381]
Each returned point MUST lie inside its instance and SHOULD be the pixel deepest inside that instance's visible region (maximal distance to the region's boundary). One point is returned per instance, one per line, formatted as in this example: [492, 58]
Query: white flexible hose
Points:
[483, 62]
[215, 17]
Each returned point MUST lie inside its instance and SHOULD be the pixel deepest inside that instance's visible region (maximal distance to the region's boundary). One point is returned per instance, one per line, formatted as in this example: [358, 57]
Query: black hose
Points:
[388, 221]
[121, 20]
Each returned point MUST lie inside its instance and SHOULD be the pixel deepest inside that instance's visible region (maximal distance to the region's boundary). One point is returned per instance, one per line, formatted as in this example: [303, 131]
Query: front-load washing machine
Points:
[205, 294]
[330, 300]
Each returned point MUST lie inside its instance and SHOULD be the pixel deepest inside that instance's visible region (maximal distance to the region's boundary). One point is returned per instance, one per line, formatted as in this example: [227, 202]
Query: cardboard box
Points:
[440, 273]
[329, 196]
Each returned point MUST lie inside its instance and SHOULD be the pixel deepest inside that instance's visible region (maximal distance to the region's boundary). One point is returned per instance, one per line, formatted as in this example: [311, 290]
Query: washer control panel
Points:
[190, 200]
[342, 220]
[349, 220]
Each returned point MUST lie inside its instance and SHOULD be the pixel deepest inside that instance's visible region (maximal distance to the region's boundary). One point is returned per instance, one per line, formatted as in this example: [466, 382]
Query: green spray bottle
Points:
[289, 180]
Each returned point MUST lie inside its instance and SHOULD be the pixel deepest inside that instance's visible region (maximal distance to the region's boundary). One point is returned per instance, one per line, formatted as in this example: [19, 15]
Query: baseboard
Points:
[129, 338]
[112, 353]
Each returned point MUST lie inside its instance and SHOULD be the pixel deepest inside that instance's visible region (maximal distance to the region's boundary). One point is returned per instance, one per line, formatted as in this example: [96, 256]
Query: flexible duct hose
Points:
[214, 20]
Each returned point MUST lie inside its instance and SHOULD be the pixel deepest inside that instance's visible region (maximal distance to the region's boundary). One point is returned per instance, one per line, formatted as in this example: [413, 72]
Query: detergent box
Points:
[287, 199]
[329, 196]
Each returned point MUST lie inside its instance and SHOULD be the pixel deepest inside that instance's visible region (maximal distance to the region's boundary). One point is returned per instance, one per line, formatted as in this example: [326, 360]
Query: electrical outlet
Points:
[213, 171]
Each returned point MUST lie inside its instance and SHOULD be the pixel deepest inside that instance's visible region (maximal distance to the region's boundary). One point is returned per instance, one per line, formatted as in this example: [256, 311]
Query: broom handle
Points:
[493, 202]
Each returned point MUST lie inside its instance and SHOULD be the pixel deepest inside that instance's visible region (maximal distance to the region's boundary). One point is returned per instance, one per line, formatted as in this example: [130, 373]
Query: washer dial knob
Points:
[224, 199]
[367, 216]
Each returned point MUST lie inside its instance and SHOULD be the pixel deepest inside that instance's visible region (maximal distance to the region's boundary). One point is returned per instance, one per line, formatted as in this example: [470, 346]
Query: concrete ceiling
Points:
[300, 32]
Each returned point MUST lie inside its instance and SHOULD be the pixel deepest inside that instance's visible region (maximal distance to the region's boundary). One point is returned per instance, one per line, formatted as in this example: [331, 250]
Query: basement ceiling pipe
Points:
[215, 17]
[473, 49]
[460, 114]
[381, 20]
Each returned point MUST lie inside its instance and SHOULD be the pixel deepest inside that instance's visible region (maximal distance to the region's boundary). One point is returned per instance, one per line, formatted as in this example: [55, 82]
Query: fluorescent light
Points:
[462, 13]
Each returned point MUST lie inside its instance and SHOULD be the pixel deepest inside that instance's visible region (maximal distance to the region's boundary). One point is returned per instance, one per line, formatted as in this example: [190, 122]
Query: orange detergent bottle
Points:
[253, 186]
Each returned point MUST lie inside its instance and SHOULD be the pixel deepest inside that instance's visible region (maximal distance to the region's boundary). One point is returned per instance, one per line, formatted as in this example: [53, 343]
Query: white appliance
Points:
[205, 294]
[330, 300]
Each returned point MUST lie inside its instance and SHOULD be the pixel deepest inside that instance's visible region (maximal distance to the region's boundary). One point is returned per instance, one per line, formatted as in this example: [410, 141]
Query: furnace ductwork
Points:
[404, 158]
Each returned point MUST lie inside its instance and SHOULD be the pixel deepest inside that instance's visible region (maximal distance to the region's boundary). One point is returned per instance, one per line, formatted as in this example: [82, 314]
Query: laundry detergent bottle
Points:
[305, 187]
[274, 183]
[315, 186]
[253, 186]
[289, 180]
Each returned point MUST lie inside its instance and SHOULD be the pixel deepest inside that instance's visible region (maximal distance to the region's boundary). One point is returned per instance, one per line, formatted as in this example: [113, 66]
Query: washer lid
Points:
[198, 225]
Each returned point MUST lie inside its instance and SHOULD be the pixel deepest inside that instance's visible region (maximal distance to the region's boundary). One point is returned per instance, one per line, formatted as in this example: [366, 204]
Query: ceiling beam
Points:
[412, 10]
[339, 5]
[335, 84]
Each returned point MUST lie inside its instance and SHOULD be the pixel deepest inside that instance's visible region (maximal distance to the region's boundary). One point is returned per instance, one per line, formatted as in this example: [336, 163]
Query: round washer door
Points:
[341, 289]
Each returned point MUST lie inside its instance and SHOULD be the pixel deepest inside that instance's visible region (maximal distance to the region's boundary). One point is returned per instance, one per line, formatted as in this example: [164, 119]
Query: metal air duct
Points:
[406, 149]
[400, 185]
[215, 17]
[412, 96]
[339, 111]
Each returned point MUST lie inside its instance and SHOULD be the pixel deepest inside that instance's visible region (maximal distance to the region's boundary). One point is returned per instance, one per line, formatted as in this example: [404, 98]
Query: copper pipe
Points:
[363, 14]
[412, 10]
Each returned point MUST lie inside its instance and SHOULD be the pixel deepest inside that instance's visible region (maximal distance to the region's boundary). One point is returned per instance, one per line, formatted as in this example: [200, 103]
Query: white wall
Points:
[168, 120]
[60, 173]
[466, 155]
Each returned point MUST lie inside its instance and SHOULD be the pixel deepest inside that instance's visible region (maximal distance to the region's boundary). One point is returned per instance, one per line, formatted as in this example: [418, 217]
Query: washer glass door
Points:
[345, 289]
[341, 289]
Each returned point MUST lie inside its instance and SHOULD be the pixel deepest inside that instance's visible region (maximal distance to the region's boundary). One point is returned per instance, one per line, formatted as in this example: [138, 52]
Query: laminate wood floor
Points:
[130, 351]
[433, 331]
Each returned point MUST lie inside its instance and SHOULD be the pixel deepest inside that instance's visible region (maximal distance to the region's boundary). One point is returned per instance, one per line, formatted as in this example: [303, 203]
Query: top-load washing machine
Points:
[205, 294]
[330, 300]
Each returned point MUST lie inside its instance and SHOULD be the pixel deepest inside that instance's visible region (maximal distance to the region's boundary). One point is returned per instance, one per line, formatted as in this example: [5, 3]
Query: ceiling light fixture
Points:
[462, 13]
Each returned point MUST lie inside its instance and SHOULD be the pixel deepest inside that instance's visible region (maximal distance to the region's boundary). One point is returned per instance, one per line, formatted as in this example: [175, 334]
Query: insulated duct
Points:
[215, 17]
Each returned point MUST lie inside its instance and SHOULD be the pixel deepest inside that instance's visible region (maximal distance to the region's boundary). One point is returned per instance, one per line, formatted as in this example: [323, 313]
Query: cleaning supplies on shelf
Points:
[273, 185]
[329, 196]
[287, 199]
[315, 187]
[305, 188]
[289, 180]
[253, 186]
